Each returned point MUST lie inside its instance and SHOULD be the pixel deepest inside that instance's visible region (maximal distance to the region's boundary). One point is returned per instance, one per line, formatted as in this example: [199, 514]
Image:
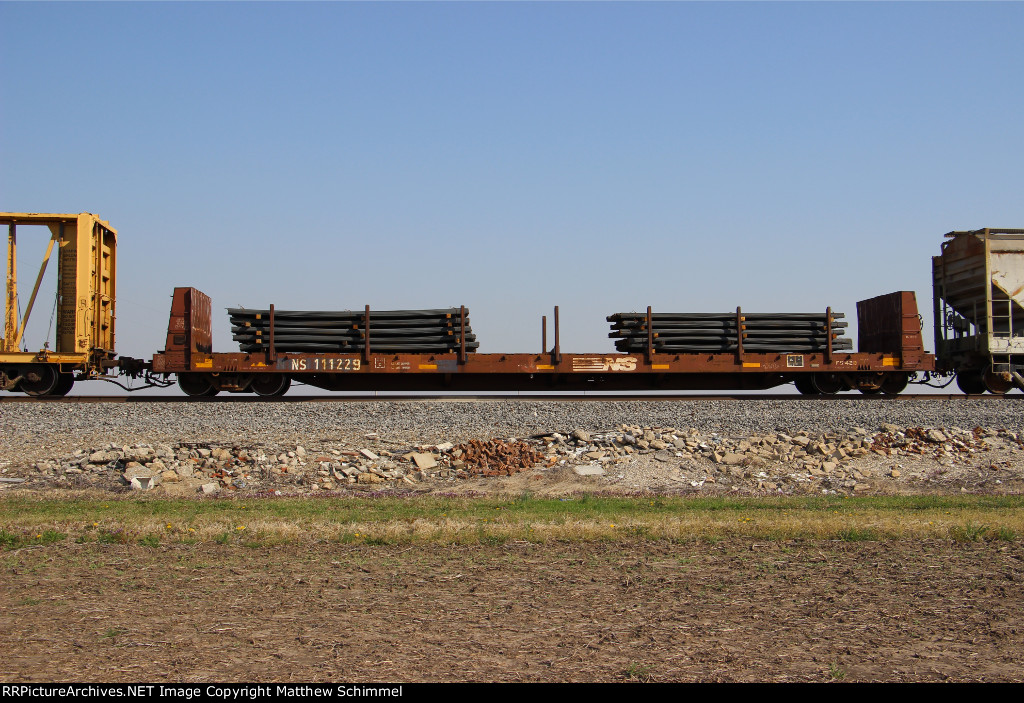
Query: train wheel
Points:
[895, 383]
[64, 384]
[828, 383]
[270, 385]
[41, 380]
[995, 383]
[805, 384]
[196, 385]
[970, 382]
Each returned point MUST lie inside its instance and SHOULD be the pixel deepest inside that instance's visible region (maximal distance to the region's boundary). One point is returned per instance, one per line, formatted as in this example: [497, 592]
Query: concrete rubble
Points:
[781, 462]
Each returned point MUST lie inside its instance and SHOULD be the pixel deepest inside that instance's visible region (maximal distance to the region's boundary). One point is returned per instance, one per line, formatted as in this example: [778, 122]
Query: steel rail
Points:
[576, 397]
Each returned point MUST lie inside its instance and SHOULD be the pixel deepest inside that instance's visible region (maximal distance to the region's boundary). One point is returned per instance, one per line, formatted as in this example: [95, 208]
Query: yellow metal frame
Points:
[86, 279]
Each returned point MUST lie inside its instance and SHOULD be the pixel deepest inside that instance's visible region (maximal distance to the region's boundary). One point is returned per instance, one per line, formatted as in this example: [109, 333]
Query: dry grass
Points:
[31, 520]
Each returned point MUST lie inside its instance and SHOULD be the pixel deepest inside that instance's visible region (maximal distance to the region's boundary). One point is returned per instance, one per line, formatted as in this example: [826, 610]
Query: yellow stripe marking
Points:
[428, 366]
[659, 366]
[546, 367]
[751, 365]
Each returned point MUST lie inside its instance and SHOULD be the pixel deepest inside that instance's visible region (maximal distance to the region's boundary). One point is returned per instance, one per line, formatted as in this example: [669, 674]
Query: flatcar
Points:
[885, 361]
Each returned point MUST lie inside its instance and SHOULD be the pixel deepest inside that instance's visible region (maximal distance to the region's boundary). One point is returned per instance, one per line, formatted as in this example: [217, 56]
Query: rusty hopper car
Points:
[888, 355]
[978, 286]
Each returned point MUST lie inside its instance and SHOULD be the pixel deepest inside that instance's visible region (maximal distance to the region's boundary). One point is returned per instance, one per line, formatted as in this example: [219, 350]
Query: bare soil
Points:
[586, 611]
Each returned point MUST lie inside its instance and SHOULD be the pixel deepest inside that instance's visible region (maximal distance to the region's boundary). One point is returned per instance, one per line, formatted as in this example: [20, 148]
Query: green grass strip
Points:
[490, 520]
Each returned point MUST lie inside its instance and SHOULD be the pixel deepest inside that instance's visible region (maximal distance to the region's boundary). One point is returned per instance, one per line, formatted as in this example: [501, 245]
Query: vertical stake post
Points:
[739, 335]
[828, 335]
[558, 348]
[462, 334]
[366, 335]
[272, 350]
[650, 336]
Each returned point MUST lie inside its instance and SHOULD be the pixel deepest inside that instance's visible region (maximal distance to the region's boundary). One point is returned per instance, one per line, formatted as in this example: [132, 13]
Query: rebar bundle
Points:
[322, 331]
[724, 332]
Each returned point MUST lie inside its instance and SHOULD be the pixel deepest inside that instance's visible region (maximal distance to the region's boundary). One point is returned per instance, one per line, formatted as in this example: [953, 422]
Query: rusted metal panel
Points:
[190, 328]
[202, 324]
[889, 323]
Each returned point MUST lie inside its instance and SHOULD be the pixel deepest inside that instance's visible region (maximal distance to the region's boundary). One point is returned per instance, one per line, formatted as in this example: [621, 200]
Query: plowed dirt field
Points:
[732, 610]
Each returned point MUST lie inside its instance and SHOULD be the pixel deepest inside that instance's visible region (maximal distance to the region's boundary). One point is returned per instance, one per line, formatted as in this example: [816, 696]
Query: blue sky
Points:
[514, 156]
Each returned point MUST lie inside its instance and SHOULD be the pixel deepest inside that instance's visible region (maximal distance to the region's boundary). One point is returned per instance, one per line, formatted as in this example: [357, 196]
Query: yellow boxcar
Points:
[86, 279]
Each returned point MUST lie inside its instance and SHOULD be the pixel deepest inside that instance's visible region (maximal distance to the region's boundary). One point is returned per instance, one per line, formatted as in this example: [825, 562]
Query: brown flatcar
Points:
[891, 350]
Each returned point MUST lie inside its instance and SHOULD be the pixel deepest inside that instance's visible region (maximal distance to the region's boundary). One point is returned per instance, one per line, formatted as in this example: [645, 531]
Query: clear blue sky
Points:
[510, 157]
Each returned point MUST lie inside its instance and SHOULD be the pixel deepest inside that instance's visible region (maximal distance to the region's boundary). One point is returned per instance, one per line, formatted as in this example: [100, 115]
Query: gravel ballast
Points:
[756, 446]
[28, 426]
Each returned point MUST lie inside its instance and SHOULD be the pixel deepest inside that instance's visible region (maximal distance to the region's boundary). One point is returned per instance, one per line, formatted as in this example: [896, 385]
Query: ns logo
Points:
[605, 363]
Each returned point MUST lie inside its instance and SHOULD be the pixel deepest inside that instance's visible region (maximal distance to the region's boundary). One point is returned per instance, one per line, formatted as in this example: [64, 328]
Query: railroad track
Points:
[335, 398]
